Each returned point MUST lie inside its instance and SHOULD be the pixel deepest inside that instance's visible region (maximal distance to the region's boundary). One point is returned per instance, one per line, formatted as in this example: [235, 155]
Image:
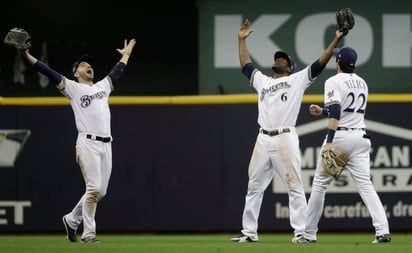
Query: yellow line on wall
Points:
[197, 99]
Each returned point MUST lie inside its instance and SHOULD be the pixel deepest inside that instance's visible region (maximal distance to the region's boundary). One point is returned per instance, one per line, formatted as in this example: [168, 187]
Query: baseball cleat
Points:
[242, 238]
[382, 238]
[301, 239]
[90, 240]
[71, 233]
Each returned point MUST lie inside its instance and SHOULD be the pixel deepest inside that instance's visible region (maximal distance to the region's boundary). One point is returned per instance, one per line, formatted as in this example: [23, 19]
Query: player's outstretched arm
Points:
[127, 50]
[41, 67]
[242, 35]
[319, 65]
[327, 54]
[118, 69]
[30, 58]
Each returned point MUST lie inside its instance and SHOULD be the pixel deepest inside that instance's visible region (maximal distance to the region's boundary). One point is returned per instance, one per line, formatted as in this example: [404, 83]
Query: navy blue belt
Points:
[275, 132]
[348, 128]
[98, 138]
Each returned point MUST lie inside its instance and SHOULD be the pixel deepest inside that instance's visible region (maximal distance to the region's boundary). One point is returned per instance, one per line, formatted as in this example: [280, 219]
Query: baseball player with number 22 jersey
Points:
[346, 96]
[90, 105]
[277, 144]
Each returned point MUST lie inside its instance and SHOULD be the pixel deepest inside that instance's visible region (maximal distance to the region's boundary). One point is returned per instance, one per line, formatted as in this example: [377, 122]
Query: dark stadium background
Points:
[164, 61]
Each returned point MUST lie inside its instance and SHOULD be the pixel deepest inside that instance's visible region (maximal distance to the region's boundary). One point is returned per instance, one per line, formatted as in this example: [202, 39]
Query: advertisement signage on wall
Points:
[391, 173]
[381, 38]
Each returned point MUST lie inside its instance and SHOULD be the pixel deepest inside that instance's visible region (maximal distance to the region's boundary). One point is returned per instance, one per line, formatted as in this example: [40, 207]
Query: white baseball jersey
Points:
[90, 105]
[279, 98]
[351, 91]
[279, 103]
[351, 143]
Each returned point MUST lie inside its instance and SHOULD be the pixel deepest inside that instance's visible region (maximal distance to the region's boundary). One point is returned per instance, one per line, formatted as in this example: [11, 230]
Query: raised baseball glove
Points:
[332, 164]
[19, 38]
[345, 20]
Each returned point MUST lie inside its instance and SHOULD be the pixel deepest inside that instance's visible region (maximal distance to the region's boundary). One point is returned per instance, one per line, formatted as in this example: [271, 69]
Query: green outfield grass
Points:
[202, 243]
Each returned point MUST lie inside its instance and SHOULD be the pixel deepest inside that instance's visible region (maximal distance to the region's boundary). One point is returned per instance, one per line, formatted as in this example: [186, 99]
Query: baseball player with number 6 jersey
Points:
[345, 99]
[277, 144]
[90, 105]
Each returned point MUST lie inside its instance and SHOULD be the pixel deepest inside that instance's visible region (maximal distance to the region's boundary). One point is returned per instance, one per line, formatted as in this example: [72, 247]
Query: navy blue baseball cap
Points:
[347, 56]
[84, 58]
[283, 55]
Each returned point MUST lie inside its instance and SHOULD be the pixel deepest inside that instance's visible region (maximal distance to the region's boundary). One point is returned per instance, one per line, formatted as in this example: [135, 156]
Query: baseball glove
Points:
[345, 20]
[19, 38]
[332, 164]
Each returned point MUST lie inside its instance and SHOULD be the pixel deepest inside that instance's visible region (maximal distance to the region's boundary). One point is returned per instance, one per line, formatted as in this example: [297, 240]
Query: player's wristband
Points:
[330, 135]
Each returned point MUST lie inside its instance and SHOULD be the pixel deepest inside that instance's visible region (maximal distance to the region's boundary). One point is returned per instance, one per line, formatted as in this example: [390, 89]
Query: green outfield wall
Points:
[382, 37]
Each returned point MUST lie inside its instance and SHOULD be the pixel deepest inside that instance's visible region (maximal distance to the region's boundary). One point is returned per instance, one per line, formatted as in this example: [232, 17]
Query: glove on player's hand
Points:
[345, 20]
[332, 164]
[19, 38]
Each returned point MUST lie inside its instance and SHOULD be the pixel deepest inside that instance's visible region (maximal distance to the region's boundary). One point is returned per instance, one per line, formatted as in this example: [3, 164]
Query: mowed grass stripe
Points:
[203, 243]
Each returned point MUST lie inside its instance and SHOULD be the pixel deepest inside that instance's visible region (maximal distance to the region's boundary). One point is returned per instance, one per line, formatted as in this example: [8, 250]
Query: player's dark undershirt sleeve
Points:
[334, 111]
[247, 70]
[54, 76]
[316, 68]
[117, 71]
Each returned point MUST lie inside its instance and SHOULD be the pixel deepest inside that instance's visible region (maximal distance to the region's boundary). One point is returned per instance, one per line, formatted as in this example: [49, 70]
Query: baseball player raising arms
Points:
[89, 102]
[277, 144]
[346, 96]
